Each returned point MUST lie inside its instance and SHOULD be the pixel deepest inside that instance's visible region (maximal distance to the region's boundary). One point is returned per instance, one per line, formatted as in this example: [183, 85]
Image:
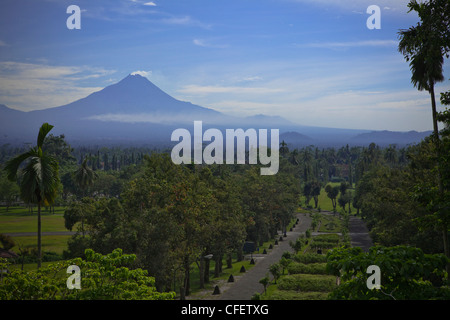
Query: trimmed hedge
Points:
[310, 258]
[307, 282]
[295, 295]
[311, 268]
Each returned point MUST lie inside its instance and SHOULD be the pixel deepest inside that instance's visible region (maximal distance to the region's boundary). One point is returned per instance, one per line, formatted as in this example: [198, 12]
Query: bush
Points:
[295, 295]
[47, 256]
[318, 244]
[103, 277]
[311, 268]
[310, 258]
[307, 282]
[331, 238]
[308, 233]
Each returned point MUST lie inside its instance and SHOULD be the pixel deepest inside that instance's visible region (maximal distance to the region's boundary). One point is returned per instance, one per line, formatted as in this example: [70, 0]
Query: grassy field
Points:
[20, 220]
[325, 202]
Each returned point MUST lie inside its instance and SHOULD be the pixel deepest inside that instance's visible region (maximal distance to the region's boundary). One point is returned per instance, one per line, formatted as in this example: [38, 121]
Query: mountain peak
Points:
[134, 87]
[135, 78]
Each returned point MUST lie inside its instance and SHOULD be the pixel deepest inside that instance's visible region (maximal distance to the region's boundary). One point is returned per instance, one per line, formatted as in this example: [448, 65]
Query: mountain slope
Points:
[385, 137]
[135, 111]
[133, 95]
[295, 139]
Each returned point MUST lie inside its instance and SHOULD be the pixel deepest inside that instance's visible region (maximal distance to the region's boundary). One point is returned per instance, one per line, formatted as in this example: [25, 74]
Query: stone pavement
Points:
[359, 234]
[247, 285]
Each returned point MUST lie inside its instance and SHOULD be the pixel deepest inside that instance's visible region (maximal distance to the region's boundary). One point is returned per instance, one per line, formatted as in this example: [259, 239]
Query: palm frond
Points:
[12, 166]
[43, 131]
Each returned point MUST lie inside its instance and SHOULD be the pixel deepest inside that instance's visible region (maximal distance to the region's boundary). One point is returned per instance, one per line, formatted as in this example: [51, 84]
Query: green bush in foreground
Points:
[104, 277]
[406, 273]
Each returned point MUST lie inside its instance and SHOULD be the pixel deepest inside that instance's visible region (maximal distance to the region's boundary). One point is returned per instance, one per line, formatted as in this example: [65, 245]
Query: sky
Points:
[313, 62]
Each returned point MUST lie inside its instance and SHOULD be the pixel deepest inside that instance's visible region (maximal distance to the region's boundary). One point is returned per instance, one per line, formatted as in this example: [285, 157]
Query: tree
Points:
[60, 149]
[406, 273]
[275, 271]
[264, 281]
[9, 190]
[425, 46]
[103, 277]
[6, 241]
[284, 150]
[332, 193]
[84, 176]
[40, 178]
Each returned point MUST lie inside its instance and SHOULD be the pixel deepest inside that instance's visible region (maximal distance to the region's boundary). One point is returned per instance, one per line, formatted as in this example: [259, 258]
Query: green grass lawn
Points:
[20, 219]
[53, 243]
[325, 202]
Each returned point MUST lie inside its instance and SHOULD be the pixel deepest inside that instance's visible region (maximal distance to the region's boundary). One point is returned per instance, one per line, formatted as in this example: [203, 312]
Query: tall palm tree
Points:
[39, 179]
[425, 46]
[84, 176]
[422, 46]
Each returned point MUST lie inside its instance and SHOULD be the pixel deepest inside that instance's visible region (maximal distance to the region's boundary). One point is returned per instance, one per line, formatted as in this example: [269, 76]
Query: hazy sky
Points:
[314, 62]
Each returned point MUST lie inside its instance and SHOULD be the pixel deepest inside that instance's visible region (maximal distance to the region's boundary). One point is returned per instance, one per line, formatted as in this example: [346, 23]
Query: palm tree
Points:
[425, 45]
[39, 180]
[84, 176]
[421, 45]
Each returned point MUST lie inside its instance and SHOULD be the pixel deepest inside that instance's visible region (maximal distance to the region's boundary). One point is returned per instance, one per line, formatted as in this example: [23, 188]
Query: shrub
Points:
[103, 277]
[317, 244]
[307, 282]
[311, 268]
[295, 295]
[310, 258]
[331, 238]
[308, 233]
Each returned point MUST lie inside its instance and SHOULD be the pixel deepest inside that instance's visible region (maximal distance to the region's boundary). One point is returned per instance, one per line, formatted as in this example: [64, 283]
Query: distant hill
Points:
[296, 140]
[135, 111]
[385, 137]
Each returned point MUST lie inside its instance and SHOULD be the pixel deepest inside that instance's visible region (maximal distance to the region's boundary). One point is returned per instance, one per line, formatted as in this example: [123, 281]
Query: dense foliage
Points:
[105, 277]
[406, 273]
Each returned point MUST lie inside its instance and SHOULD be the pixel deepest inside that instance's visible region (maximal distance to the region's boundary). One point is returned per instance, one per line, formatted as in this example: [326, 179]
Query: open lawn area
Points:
[20, 220]
[325, 202]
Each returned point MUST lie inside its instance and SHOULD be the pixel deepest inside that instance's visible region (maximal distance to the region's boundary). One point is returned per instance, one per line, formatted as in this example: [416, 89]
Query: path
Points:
[247, 285]
[359, 234]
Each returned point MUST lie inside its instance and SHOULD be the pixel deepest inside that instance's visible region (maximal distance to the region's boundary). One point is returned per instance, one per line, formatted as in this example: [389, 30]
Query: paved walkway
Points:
[247, 285]
[359, 234]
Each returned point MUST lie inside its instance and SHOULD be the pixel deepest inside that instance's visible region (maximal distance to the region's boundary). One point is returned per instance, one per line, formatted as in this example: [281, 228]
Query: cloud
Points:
[251, 79]
[349, 44]
[207, 44]
[399, 6]
[3, 44]
[148, 118]
[197, 89]
[30, 86]
[151, 3]
[184, 21]
[142, 73]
